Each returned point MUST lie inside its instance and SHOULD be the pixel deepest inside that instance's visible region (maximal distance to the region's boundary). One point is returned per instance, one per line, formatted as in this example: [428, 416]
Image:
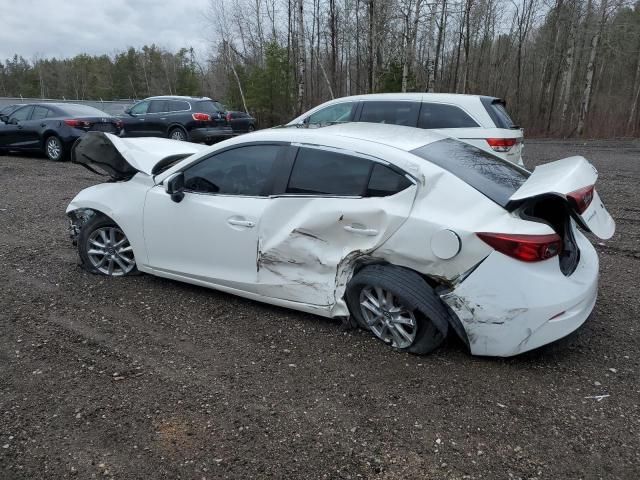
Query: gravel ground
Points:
[148, 378]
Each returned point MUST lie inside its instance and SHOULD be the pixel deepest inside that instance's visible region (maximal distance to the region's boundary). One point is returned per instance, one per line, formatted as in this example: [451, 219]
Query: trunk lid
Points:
[122, 158]
[573, 179]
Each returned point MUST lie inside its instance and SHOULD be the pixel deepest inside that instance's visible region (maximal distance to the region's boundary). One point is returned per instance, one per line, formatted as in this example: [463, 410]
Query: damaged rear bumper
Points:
[508, 307]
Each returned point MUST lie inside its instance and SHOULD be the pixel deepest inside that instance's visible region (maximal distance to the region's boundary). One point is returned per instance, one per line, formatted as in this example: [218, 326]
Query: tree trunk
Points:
[372, 53]
[301, 58]
[568, 71]
[634, 103]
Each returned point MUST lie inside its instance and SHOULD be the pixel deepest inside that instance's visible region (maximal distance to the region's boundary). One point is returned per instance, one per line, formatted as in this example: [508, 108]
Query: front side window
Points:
[242, 171]
[396, 113]
[140, 108]
[341, 112]
[21, 114]
[439, 115]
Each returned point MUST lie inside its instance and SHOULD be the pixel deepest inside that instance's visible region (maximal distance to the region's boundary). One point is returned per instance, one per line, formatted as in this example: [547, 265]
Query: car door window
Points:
[157, 106]
[322, 172]
[385, 181]
[242, 171]
[177, 106]
[140, 108]
[39, 113]
[438, 115]
[341, 112]
[21, 114]
[396, 113]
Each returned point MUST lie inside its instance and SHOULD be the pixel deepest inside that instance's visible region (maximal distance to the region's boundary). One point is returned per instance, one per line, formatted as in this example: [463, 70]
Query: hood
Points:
[122, 158]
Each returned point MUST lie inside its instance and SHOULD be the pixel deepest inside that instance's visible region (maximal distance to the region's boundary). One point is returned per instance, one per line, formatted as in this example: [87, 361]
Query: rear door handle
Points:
[369, 232]
[241, 223]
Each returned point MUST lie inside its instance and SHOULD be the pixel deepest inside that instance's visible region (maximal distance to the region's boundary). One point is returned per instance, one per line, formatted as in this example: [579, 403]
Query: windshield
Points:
[495, 178]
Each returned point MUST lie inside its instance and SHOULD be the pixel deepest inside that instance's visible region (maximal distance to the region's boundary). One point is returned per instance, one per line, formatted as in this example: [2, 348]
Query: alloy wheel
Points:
[54, 149]
[178, 134]
[110, 252]
[387, 318]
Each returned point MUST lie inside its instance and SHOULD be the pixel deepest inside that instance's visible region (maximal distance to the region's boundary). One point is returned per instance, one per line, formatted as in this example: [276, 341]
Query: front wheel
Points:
[398, 307]
[53, 148]
[105, 249]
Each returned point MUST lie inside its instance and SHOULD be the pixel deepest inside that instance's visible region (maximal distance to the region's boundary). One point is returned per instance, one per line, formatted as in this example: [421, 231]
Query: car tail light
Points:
[228, 117]
[527, 248]
[501, 144]
[201, 117]
[72, 122]
[581, 198]
[119, 124]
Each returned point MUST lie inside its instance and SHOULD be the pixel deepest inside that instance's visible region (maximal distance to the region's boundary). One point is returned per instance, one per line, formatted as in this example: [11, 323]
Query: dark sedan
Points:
[52, 128]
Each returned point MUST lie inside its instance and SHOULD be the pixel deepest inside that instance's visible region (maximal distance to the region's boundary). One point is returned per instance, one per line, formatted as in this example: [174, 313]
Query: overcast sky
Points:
[64, 28]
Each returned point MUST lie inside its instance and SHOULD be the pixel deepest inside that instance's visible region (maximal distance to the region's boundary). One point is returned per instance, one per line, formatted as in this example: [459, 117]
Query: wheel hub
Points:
[387, 317]
[110, 252]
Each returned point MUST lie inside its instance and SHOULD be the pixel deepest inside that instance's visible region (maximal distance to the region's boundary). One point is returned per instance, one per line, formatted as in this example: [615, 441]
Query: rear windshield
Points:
[496, 178]
[82, 110]
[208, 106]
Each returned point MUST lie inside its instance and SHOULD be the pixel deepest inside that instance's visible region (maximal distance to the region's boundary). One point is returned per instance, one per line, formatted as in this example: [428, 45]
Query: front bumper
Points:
[208, 134]
[508, 307]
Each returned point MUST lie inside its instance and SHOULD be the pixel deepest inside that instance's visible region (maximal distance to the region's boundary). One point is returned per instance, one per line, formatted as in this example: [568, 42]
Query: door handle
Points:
[241, 223]
[369, 232]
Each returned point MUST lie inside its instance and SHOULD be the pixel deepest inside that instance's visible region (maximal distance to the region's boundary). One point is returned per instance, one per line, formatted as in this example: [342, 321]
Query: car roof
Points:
[176, 97]
[395, 136]
[415, 96]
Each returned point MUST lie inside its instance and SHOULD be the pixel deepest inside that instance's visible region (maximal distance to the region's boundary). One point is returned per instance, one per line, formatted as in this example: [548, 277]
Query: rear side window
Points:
[438, 115]
[177, 106]
[385, 182]
[320, 172]
[496, 178]
[241, 171]
[39, 113]
[396, 113]
[498, 112]
[157, 106]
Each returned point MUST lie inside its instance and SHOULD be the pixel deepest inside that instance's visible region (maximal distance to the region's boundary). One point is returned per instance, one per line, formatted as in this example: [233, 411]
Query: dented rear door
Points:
[308, 240]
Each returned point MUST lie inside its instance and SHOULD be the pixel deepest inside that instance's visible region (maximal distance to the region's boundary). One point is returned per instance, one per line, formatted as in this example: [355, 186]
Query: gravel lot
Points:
[148, 378]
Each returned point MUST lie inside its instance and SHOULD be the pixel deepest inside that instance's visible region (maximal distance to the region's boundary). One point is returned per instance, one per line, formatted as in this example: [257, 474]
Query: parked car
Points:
[195, 119]
[407, 231]
[241, 122]
[52, 128]
[478, 120]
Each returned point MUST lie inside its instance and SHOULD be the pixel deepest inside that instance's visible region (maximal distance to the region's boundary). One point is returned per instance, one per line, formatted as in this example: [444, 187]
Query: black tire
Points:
[96, 223]
[251, 128]
[54, 148]
[414, 293]
[176, 132]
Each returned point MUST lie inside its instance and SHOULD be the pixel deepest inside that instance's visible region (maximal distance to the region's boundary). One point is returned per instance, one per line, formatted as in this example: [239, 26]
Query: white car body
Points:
[300, 250]
[490, 121]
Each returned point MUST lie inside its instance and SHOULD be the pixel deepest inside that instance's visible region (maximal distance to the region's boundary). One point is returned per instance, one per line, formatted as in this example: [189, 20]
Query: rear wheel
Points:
[105, 249]
[178, 133]
[251, 129]
[398, 307]
[53, 148]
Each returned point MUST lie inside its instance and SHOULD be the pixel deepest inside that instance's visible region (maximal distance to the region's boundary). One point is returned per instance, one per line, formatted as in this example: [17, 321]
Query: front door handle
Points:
[369, 232]
[241, 223]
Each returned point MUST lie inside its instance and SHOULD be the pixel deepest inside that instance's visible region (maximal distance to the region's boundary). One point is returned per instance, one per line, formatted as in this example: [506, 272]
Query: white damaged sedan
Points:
[407, 232]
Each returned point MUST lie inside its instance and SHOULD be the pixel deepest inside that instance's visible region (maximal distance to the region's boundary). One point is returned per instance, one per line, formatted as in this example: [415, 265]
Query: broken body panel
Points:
[299, 251]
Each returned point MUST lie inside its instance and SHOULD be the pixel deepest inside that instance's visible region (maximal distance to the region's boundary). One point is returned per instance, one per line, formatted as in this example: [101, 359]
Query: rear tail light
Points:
[228, 117]
[119, 124]
[527, 248]
[72, 122]
[201, 117]
[581, 198]
[501, 144]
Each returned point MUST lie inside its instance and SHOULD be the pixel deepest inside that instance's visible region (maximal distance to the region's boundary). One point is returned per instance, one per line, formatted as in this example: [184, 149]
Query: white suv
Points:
[479, 120]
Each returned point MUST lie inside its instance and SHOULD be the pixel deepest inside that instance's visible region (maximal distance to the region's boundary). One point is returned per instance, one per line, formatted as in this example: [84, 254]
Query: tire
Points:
[54, 148]
[101, 234]
[177, 133]
[406, 299]
[251, 128]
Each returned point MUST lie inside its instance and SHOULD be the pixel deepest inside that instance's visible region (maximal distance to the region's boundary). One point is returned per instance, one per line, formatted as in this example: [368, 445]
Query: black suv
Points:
[196, 119]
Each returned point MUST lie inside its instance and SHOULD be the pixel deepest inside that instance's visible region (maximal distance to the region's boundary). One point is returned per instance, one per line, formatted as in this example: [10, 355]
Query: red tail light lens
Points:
[527, 248]
[201, 117]
[72, 122]
[501, 144]
[119, 124]
[581, 198]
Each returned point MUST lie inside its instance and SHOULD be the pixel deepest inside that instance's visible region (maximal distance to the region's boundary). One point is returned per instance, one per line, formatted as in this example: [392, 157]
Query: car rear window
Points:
[396, 113]
[82, 110]
[495, 178]
[439, 115]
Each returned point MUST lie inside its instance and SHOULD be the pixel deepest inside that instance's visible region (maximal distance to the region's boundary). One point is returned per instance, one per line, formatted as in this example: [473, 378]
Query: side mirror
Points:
[127, 110]
[4, 118]
[174, 186]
